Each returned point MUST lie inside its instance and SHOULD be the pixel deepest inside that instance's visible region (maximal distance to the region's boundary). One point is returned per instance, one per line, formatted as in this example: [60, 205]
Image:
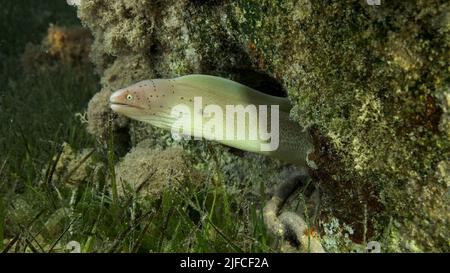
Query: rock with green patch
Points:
[372, 83]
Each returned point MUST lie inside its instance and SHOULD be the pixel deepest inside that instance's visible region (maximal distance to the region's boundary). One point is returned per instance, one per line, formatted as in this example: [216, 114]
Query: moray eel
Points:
[154, 101]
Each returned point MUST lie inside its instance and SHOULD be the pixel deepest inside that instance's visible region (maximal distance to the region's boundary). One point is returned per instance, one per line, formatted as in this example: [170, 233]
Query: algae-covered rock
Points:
[371, 82]
[150, 171]
[62, 45]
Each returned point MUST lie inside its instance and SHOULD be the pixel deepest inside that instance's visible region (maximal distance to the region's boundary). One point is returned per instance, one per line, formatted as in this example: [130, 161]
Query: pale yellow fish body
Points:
[154, 101]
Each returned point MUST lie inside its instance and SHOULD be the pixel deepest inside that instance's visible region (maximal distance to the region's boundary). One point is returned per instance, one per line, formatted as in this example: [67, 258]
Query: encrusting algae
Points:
[370, 82]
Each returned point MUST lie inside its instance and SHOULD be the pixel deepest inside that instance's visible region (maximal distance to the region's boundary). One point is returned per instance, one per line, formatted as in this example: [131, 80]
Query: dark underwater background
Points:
[371, 83]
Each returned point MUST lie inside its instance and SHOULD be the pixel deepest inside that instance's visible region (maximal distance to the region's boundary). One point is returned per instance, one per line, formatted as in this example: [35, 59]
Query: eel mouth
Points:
[118, 105]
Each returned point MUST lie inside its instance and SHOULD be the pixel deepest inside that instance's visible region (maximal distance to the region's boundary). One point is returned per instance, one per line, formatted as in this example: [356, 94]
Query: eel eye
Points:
[129, 97]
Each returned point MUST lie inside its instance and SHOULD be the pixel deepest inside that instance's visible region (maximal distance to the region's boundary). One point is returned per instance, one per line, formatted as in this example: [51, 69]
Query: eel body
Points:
[164, 103]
